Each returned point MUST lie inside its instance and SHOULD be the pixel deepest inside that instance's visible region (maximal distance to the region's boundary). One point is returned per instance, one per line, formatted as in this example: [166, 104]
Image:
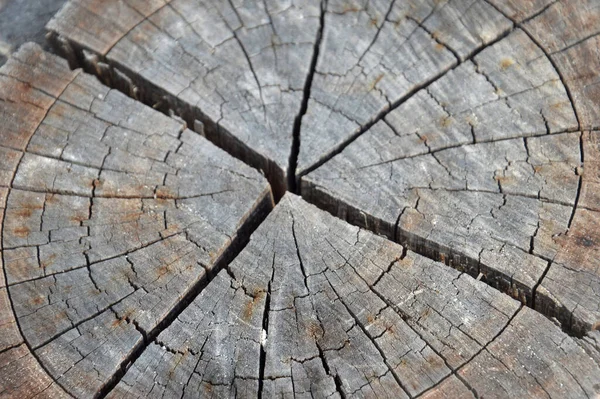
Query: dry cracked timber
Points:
[444, 243]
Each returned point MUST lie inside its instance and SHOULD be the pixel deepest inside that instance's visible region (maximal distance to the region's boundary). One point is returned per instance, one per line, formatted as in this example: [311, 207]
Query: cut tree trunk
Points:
[445, 242]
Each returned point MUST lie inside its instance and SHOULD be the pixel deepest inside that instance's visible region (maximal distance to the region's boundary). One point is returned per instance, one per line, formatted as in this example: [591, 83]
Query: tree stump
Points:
[434, 165]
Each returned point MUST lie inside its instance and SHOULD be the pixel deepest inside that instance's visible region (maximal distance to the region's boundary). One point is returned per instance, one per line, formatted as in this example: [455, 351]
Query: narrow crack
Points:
[150, 336]
[292, 186]
[438, 253]
[456, 370]
[2, 244]
[295, 150]
[265, 327]
[381, 115]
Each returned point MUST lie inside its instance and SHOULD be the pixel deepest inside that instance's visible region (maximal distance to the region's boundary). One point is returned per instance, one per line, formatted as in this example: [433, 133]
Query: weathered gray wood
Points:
[570, 289]
[114, 215]
[340, 311]
[475, 153]
[541, 372]
[532, 358]
[374, 54]
[520, 11]
[20, 373]
[567, 31]
[470, 170]
[246, 76]
[240, 67]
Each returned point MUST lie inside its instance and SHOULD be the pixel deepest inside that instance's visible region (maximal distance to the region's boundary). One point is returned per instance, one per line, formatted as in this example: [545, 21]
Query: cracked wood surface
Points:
[243, 67]
[338, 311]
[491, 168]
[240, 68]
[462, 132]
[114, 216]
[479, 167]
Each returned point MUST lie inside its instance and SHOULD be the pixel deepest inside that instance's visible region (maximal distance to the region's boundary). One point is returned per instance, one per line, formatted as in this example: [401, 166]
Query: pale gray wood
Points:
[568, 32]
[113, 213]
[240, 67]
[520, 11]
[456, 174]
[348, 312]
[246, 76]
[569, 291]
[336, 310]
[548, 363]
[115, 216]
[374, 54]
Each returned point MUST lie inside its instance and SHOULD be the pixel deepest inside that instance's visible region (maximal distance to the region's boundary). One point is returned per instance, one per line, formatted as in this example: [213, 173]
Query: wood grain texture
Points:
[459, 133]
[567, 31]
[477, 170]
[376, 54]
[241, 67]
[337, 311]
[250, 77]
[114, 215]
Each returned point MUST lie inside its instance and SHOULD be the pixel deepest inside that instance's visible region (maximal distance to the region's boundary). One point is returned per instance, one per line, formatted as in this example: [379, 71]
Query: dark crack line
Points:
[381, 115]
[295, 150]
[434, 251]
[265, 327]
[336, 378]
[144, 19]
[117, 76]
[404, 317]
[581, 146]
[291, 177]
[537, 284]
[92, 263]
[372, 340]
[243, 48]
[562, 80]
[385, 20]
[232, 250]
[580, 183]
[436, 39]
[457, 369]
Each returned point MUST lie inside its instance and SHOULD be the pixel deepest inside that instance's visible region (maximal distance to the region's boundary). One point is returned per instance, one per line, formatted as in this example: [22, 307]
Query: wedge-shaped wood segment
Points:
[567, 31]
[114, 217]
[480, 169]
[316, 307]
[241, 67]
[280, 85]
[375, 54]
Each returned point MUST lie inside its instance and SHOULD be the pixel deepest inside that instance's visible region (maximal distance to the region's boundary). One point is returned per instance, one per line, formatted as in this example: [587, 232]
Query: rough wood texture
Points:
[114, 216]
[432, 174]
[375, 54]
[316, 307]
[240, 67]
[463, 132]
[472, 170]
[567, 32]
[253, 77]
